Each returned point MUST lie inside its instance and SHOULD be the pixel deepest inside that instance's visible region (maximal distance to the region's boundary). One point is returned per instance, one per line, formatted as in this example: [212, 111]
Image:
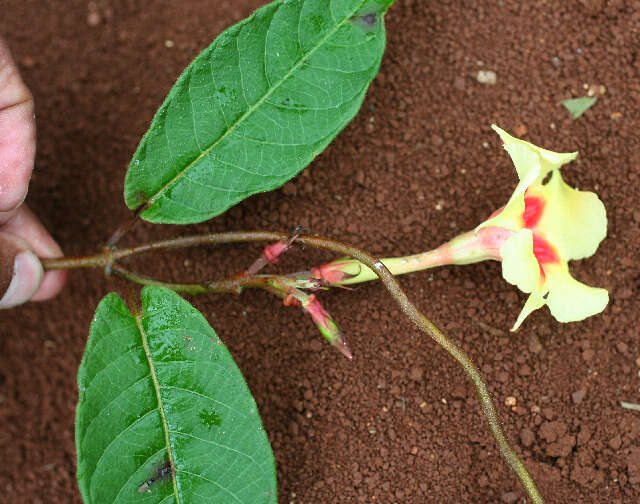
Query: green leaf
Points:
[256, 106]
[157, 388]
[578, 106]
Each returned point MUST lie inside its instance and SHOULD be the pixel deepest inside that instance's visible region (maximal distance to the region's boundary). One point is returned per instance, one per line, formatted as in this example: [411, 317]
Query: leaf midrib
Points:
[156, 386]
[251, 109]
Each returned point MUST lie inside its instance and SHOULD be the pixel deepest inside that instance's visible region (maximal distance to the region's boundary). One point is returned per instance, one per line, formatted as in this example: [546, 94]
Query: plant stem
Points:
[426, 326]
[107, 258]
[466, 248]
[233, 285]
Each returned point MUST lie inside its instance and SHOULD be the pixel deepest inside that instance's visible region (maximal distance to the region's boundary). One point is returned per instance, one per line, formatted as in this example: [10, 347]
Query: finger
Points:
[25, 225]
[20, 271]
[17, 133]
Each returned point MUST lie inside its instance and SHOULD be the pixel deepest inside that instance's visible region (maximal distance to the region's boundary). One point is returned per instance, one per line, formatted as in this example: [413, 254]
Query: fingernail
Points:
[27, 275]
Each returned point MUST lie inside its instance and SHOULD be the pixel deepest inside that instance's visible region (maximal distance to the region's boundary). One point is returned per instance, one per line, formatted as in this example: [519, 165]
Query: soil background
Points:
[400, 423]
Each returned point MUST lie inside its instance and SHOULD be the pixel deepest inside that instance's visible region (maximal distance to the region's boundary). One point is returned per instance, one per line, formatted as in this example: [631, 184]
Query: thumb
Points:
[20, 271]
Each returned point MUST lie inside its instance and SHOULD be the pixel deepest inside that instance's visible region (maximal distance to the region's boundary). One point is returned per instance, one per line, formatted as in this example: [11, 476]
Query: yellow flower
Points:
[552, 224]
[544, 225]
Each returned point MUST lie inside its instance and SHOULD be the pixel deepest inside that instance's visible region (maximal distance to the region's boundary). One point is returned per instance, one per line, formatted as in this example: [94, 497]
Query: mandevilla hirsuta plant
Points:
[164, 414]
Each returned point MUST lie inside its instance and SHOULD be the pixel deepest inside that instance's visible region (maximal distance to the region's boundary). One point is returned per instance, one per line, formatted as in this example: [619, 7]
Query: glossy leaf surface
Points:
[256, 106]
[161, 390]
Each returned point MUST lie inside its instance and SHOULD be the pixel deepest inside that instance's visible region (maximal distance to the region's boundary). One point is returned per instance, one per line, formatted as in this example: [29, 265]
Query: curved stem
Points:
[426, 326]
[419, 319]
[233, 285]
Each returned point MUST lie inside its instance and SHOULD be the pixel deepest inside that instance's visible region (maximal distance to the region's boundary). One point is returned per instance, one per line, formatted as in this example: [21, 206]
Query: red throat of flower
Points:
[544, 251]
[533, 208]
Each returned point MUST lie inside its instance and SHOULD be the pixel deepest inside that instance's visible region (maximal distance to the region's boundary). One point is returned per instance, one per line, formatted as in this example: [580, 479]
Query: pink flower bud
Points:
[274, 251]
[326, 325]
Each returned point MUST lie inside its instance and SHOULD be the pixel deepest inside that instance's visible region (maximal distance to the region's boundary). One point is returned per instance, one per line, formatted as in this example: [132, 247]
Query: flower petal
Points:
[549, 160]
[527, 164]
[574, 221]
[519, 265]
[570, 300]
[534, 301]
[510, 217]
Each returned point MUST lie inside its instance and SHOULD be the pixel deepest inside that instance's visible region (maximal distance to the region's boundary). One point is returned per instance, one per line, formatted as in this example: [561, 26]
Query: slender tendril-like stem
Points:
[108, 258]
[233, 285]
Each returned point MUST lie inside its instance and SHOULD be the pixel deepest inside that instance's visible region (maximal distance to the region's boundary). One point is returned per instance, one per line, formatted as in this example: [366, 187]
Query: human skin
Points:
[23, 239]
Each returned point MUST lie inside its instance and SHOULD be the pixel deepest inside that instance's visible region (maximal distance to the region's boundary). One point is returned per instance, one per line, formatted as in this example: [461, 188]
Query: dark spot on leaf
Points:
[366, 21]
[369, 19]
[140, 199]
[162, 473]
[210, 418]
[547, 178]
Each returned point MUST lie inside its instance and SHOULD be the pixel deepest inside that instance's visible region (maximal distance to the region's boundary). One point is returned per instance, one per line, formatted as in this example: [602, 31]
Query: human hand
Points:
[22, 237]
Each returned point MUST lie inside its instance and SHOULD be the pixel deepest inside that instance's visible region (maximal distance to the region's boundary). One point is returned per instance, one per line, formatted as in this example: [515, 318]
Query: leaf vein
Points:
[251, 109]
[109, 404]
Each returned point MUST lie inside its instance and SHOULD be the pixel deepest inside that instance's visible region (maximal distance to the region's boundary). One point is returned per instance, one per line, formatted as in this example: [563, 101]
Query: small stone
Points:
[459, 392]
[510, 401]
[169, 44]
[289, 189]
[626, 262]
[633, 465]
[584, 435]
[316, 345]
[535, 346]
[578, 396]
[622, 347]
[414, 450]
[615, 443]
[458, 83]
[551, 431]
[510, 497]
[93, 18]
[527, 437]
[487, 77]
[416, 374]
[28, 62]
[548, 413]
[562, 447]
[520, 130]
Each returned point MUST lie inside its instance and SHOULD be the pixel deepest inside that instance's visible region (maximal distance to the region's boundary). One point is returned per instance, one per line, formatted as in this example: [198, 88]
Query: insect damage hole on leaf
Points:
[367, 21]
[162, 473]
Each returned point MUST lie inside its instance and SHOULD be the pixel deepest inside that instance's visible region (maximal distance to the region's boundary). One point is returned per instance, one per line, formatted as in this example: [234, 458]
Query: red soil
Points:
[400, 423]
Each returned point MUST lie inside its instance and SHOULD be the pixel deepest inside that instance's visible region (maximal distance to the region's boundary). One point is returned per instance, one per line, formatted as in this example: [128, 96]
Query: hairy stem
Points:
[426, 326]
[233, 285]
[108, 257]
